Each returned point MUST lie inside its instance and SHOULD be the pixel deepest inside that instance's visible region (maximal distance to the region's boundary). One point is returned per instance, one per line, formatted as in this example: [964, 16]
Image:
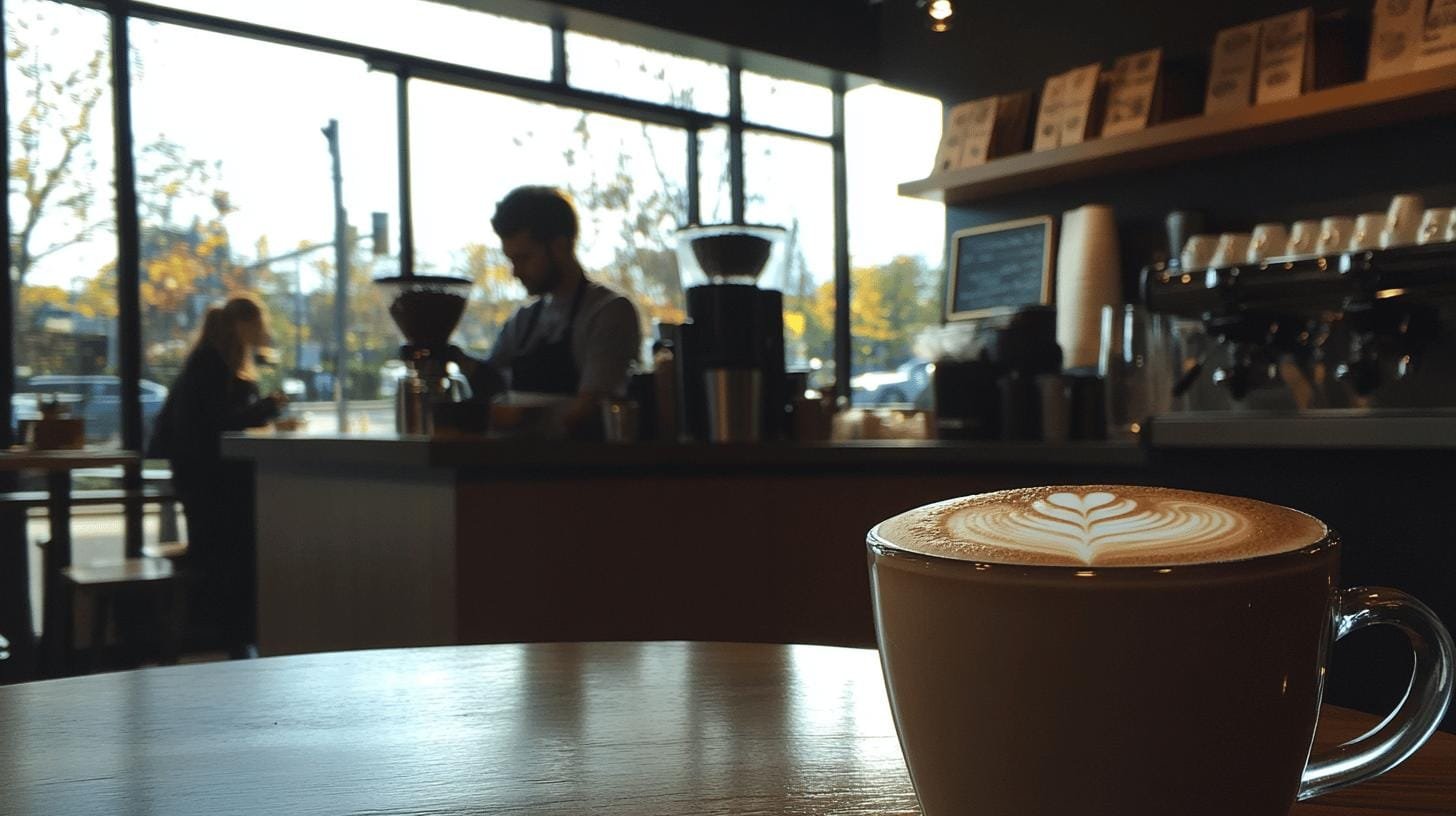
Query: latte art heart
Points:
[1100, 526]
[1083, 527]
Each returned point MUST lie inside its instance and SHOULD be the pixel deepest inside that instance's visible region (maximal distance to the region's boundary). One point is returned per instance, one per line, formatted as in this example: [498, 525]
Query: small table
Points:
[564, 728]
[15, 575]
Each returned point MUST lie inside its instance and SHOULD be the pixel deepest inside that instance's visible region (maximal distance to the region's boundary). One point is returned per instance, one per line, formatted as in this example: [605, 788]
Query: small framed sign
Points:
[997, 268]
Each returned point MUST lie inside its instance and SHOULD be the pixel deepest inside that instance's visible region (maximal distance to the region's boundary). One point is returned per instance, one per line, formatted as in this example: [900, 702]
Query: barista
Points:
[578, 337]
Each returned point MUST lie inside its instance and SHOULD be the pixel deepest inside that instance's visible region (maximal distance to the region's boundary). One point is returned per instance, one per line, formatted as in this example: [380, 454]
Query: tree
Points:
[645, 215]
[890, 304]
[59, 196]
[494, 295]
[53, 161]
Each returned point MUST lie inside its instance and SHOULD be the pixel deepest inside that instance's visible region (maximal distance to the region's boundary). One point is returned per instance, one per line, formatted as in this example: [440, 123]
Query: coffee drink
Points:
[1126, 650]
[1101, 526]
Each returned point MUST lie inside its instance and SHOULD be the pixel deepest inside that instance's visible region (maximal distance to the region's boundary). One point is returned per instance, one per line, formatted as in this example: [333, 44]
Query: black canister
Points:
[967, 402]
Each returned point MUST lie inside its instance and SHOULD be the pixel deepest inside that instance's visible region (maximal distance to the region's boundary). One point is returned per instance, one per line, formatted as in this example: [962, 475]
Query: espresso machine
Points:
[730, 353]
[1372, 325]
[426, 308]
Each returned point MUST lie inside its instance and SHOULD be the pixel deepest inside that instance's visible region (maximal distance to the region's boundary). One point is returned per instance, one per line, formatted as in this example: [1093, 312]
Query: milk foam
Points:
[1101, 525]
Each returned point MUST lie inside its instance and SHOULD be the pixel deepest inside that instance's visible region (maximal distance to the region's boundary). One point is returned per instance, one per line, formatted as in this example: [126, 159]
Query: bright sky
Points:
[258, 108]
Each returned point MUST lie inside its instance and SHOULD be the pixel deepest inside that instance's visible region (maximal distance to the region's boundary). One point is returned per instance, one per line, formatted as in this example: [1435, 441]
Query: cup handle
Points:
[1417, 715]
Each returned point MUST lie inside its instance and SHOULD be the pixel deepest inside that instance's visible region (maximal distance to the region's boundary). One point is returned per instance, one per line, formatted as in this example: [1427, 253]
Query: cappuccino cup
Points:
[1128, 650]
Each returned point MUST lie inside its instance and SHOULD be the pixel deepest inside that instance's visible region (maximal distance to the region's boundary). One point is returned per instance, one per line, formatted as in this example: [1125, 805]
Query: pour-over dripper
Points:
[427, 308]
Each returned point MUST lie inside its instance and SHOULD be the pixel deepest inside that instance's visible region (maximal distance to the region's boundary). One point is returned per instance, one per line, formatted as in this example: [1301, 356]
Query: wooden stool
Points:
[104, 583]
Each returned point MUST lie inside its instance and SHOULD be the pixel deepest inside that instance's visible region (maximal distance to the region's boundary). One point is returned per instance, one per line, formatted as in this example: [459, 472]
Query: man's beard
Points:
[548, 281]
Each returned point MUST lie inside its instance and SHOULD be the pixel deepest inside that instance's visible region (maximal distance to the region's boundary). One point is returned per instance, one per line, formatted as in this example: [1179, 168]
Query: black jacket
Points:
[205, 401]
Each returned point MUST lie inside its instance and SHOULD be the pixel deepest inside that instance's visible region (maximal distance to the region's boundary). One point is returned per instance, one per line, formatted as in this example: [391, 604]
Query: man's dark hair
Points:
[545, 213]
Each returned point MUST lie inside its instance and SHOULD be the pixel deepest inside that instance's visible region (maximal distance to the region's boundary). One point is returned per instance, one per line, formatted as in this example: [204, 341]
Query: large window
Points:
[236, 137]
[628, 179]
[235, 194]
[896, 244]
[435, 30]
[597, 64]
[790, 183]
[787, 104]
[62, 225]
[714, 185]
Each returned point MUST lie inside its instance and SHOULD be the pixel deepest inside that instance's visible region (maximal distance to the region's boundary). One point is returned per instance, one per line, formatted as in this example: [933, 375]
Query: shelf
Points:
[1357, 106]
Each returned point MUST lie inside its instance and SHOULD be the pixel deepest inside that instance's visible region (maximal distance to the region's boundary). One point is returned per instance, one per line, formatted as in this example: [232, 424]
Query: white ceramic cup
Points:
[1231, 250]
[1368, 232]
[1434, 224]
[1198, 252]
[1403, 220]
[1334, 234]
[1303, 238]
[1268, 241]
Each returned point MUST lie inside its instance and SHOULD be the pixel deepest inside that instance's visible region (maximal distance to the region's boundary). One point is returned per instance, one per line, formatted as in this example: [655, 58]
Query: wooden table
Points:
[14, 573]
[601, 728]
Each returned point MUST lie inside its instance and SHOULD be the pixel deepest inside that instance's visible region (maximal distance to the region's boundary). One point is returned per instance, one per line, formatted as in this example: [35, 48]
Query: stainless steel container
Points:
[413, 412]
[620, 420]
[420, 391]
[735, 404]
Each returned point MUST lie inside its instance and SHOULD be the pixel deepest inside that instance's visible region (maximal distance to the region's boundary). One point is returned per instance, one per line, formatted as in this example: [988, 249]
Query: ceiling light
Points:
[940, 12]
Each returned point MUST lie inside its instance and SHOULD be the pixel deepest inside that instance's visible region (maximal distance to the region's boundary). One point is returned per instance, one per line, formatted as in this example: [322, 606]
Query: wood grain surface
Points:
[601, 728]
[45, 460]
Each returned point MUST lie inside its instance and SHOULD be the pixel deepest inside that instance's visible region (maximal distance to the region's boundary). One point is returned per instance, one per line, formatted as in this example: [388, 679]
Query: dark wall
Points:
[1395, 528]
[1005, 45]
[1339, 175]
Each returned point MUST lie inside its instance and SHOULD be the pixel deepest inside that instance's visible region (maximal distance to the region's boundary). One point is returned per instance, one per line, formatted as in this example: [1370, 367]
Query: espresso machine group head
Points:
[731, 350]
[1366, 316]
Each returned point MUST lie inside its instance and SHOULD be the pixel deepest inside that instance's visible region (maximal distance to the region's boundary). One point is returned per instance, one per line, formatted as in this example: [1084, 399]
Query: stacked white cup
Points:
[1402, 220]
[1406, 222]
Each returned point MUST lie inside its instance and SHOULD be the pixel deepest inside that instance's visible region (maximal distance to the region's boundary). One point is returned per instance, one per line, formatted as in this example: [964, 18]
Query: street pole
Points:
[341, 287]
[297, 317]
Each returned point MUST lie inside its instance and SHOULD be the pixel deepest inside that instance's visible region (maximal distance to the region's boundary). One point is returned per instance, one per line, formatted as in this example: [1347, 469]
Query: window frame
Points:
[557, 90]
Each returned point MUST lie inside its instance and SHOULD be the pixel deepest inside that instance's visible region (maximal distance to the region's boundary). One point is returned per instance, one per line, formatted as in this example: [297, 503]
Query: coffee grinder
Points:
[426, 308]
[731, 351]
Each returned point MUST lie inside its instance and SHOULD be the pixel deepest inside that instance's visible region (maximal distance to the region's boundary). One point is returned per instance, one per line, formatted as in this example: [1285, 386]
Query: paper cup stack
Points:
[1088, 278]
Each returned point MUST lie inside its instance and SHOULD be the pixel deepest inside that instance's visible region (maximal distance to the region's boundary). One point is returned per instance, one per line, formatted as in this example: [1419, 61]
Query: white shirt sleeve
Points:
[610, 342]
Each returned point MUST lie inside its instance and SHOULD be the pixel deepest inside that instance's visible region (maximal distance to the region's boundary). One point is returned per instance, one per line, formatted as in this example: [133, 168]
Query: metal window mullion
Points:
[695, 198]
[128, 233]
[406, 192]
[128, 267]
[422, 68]
[735, 143]
[843, 331]
[7, 290]
[549, 91]
[560, 69]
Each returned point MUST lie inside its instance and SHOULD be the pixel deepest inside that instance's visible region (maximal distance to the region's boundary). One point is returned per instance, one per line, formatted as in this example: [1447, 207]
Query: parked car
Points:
[902, 386]
[95, 398]
[294, 388]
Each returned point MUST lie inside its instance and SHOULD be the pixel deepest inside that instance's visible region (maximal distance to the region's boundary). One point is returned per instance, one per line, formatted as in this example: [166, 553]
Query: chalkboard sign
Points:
[997, 268]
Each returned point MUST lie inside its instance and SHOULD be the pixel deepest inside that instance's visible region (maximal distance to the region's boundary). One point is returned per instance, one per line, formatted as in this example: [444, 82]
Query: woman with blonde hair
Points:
[216, 392]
